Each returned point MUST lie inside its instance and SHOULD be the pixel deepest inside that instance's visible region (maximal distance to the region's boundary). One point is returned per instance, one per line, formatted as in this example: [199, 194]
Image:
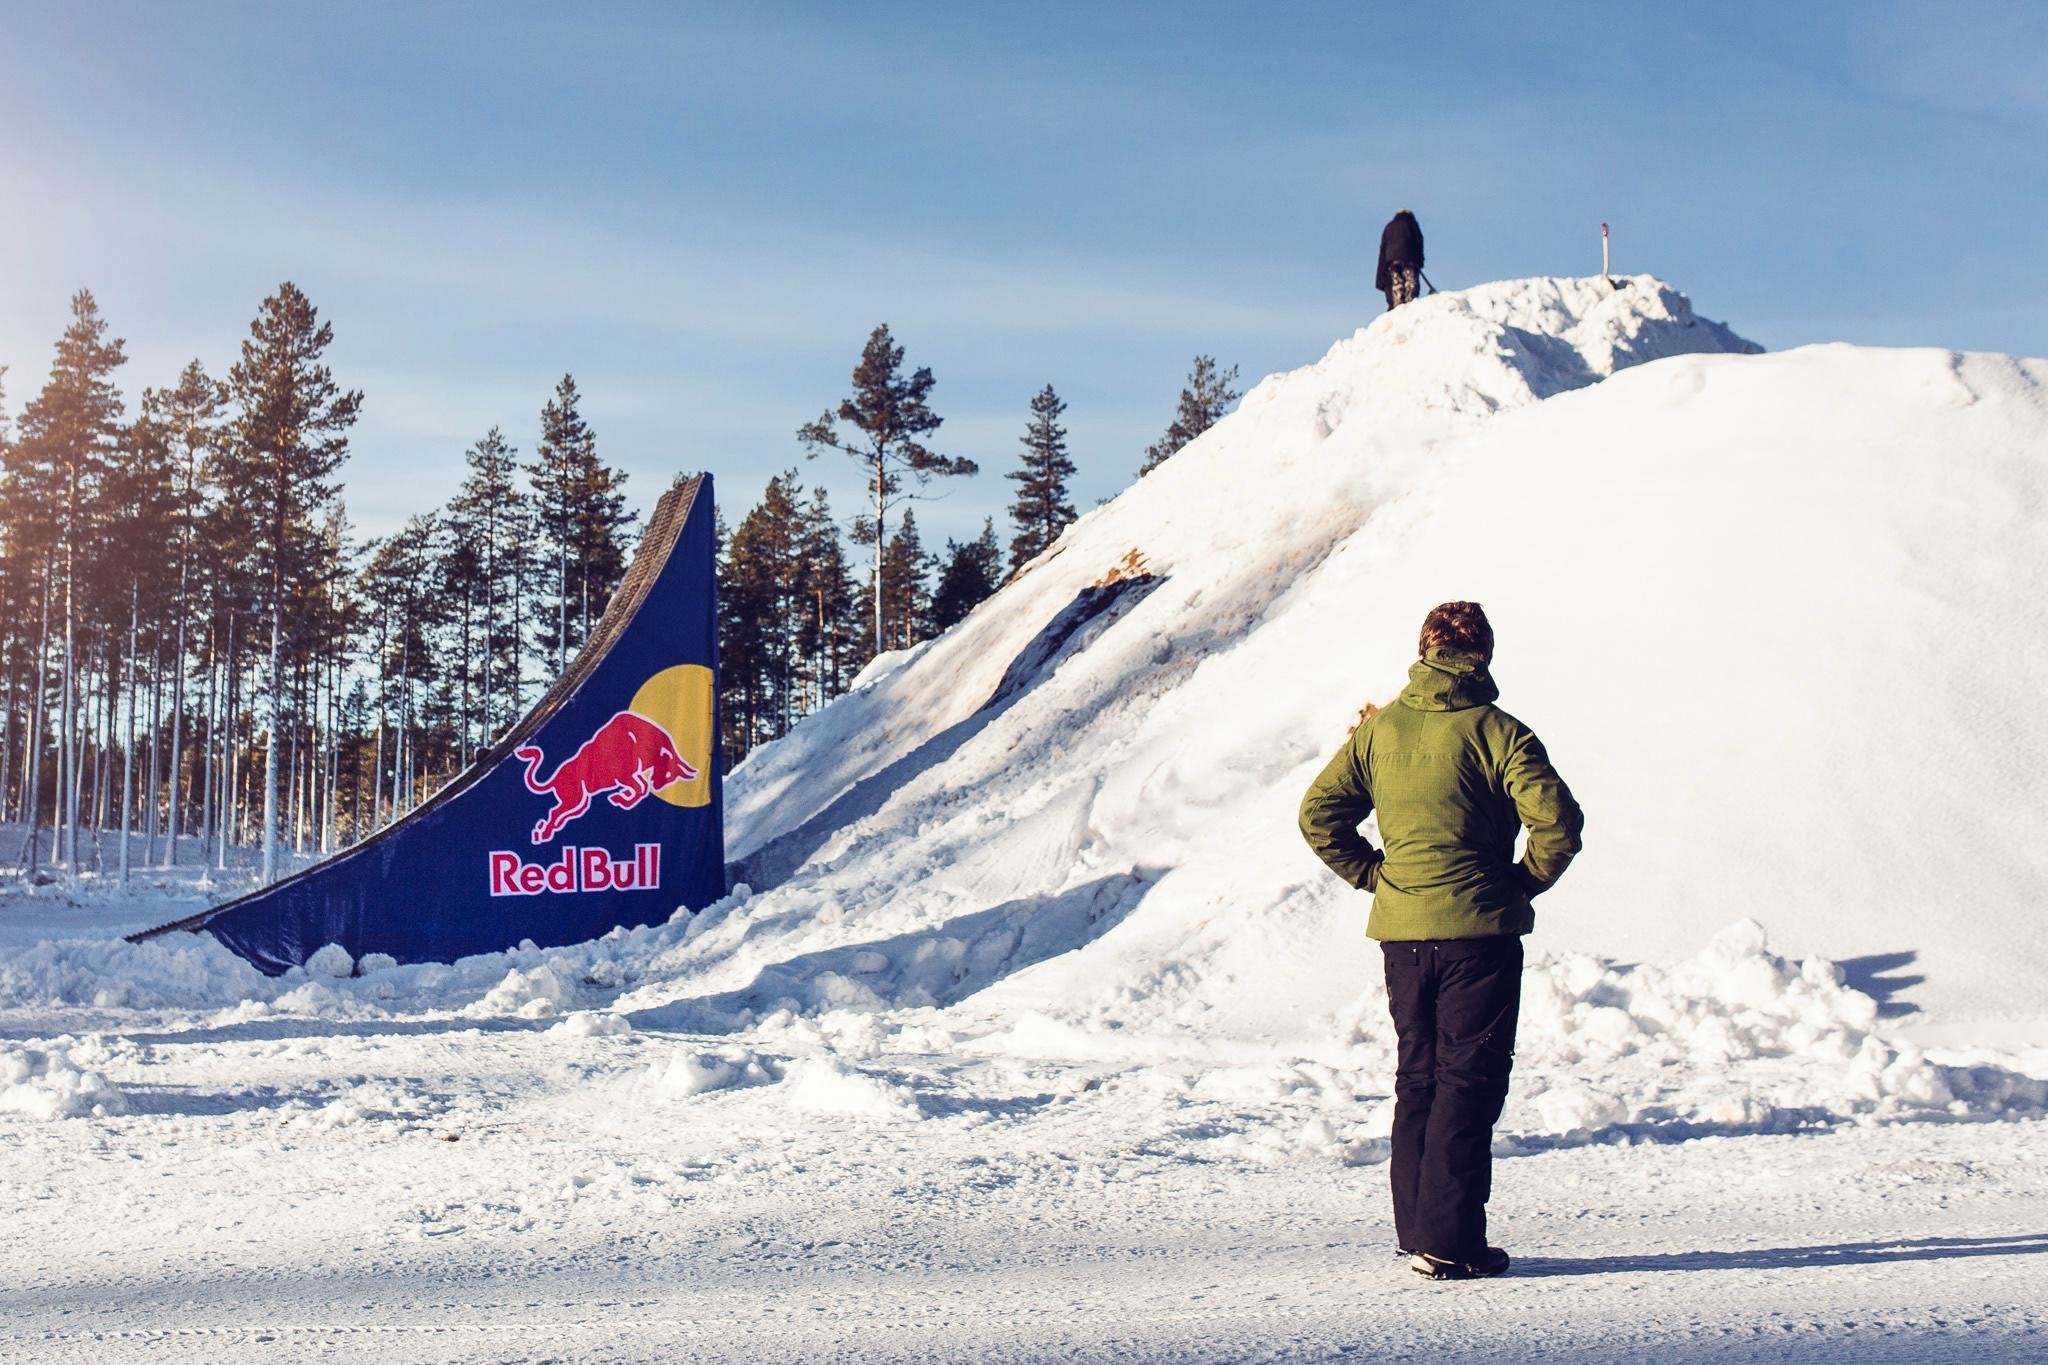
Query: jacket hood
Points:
[1447, 680]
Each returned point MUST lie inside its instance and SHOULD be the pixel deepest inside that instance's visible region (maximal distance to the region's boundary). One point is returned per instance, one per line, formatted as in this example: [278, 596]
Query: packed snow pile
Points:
[1774, 616]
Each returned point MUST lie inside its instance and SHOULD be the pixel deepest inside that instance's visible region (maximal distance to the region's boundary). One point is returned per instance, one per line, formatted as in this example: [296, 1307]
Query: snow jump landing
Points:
[602, 807]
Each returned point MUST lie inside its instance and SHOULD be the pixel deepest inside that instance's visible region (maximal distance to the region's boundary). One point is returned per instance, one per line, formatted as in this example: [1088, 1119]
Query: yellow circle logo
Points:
[679, 701]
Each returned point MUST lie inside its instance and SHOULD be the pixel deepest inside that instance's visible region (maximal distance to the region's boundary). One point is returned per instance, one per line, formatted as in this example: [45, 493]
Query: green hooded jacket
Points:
[1453, 777]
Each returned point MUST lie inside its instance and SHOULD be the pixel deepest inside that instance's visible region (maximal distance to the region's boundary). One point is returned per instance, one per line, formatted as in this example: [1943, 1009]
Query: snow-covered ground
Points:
[1038, 1033]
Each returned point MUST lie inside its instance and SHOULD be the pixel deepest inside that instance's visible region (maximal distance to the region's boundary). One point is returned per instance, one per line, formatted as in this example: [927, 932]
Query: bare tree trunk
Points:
[462, 714]
[67, 757]
[156, 746]
[33, 809]
[331, 769]
[400, 736]
[230, 718]
[7, 735]
[128, 756]
[881, 541]
[270, 750]
[103, 762]
[203, 760]
[377, 774]
[177, 719]
[490, 625]
[518, 648]
[290, 815]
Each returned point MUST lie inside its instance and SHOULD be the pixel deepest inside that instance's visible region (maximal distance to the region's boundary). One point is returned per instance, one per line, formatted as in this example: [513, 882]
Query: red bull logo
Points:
[577, 870]
[659, 746]
[626, 761]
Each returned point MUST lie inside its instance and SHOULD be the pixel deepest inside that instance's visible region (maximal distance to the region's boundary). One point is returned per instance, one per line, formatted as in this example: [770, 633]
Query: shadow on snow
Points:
[1883, 977]
[940, 965]
[1791, 1258]
[775, 861]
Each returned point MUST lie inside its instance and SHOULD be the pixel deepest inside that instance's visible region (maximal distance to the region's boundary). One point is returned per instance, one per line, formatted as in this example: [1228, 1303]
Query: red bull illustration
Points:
[518, 846]
[630, 757]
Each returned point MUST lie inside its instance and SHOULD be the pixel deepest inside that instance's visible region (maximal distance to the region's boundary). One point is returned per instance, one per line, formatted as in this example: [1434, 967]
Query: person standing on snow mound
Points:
[1453, 777]
[1400, 259]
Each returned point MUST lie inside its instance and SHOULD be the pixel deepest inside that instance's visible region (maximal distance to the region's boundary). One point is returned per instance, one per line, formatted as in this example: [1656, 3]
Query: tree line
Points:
[798, 620]
[199, 656]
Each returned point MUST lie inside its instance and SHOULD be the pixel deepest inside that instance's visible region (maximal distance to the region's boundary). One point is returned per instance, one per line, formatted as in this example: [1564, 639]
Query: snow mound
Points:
[1773, 615]
[1732, 1037]
[179, 972]
[56, 1082]
[825, 1085]
[686, 1072]
[531, 993]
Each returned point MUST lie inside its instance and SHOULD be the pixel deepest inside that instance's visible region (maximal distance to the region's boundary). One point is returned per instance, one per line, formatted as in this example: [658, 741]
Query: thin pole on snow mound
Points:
[603, 807]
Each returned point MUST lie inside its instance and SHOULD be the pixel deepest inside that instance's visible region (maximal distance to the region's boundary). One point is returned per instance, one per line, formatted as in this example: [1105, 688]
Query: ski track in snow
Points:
[1044, 1037]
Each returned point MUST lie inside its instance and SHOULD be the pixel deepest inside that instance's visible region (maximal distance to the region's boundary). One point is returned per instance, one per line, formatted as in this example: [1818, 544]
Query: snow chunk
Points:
[53, 1085]
[536, 993]
[823, 1085]
[1578, 1109]
[331, 961]
[592, 1024]
[685, 1072]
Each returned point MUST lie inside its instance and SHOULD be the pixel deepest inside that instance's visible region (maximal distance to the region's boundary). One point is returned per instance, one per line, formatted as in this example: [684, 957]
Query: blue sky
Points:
[702, 210]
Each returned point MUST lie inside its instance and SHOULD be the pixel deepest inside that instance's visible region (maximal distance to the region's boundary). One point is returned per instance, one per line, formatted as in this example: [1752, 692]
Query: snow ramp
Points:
[1776, 617]
[602, 808]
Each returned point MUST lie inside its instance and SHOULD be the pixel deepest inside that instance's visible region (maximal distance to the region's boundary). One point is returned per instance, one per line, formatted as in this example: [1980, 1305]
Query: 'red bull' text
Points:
[576, 870]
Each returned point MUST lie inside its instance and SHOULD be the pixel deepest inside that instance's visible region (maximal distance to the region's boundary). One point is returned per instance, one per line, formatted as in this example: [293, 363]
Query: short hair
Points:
[1458, 626]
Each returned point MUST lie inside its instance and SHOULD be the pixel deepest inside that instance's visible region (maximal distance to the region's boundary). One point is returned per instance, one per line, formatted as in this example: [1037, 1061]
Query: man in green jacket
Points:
[1454, 778]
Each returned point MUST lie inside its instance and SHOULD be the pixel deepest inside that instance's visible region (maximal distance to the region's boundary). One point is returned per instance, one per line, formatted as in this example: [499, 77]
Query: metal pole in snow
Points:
[1604, 272]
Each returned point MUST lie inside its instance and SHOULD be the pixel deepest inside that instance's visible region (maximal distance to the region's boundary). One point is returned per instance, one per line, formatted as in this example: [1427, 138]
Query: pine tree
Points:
[1042, 509]
[397, 587]
[70, 434]
[12, 601]
[488, 537]
[973, 571]
[762, 586]
[828, 640]
[580, 512]
[737, 657]
[1202, 404]
[906, 588]
[290, 436]
[139, 553]
[190, 418]
[890, 415]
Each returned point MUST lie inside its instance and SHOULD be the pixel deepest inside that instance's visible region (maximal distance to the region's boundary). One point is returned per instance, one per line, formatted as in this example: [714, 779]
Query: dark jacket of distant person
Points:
[1400, 244]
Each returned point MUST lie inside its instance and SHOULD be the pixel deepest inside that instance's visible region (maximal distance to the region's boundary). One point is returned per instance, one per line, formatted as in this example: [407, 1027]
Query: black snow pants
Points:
[1454, 1003]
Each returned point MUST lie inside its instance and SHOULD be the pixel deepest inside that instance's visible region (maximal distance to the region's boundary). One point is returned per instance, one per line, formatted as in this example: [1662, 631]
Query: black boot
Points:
[1435, 1268]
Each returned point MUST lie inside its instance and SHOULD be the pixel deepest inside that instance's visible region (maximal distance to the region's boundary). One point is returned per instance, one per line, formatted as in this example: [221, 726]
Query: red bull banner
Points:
[603, 807]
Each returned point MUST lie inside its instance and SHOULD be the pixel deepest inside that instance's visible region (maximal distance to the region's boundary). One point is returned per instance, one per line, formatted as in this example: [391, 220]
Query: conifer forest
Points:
[203, 664]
